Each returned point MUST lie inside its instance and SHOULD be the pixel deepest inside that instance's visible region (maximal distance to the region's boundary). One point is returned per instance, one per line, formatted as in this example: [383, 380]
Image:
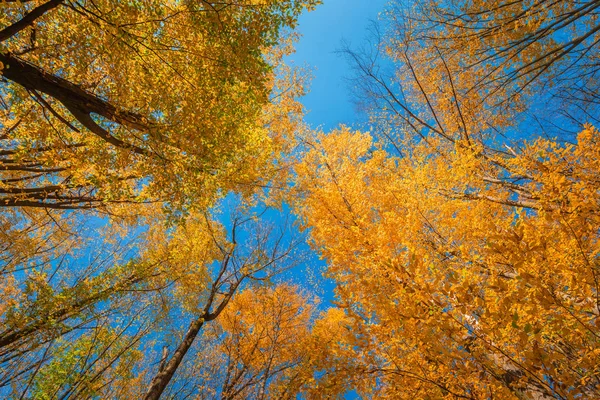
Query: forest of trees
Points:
[145, 145]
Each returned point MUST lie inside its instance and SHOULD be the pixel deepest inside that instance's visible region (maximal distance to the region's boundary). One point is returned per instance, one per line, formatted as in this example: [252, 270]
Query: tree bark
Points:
[162, 379]
[28, 19]
[78, 101]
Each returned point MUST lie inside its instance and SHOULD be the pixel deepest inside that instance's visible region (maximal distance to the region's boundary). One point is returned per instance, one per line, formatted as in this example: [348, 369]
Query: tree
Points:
[275, 346]
[161, 101]
[463, 286]
[269, 343]
[121, 126]
[68, 294]
[466, 256]
[478, 71]
[508, 45]
[263, 256]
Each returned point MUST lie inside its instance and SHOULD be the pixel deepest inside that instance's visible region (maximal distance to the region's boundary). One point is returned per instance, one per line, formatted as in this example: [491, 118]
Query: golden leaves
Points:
[443, 265]
[186, 85]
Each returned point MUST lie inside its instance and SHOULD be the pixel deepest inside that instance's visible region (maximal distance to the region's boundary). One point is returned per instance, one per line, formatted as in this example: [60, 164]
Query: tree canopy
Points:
[110, 101]
[158, 183]
[462, 233]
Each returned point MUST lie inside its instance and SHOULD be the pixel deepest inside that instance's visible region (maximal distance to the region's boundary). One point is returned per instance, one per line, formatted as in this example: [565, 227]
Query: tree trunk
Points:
[162, 379]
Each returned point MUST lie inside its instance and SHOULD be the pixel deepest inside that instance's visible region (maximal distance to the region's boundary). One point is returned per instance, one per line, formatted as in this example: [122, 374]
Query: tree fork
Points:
[78, 101]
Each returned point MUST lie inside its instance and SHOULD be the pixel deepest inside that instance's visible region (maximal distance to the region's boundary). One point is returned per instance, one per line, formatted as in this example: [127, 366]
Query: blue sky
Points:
[329, 101]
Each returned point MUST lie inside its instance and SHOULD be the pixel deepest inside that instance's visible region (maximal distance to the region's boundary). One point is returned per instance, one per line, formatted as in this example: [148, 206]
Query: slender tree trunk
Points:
[162, 379]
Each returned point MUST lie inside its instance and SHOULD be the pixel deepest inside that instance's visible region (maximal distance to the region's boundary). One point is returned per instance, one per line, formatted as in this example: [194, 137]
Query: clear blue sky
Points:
[329, 101]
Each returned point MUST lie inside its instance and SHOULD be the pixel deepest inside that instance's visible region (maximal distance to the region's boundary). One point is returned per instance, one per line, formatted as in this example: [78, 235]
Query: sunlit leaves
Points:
[469, 278]
[178, 94]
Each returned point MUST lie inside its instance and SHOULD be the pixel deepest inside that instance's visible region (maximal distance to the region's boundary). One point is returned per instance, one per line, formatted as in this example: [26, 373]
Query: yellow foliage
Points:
[464, 277]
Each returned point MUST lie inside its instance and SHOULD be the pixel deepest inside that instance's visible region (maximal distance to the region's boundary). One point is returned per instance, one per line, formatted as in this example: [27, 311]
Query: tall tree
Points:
[466, 261]
[148, 113]
[266, 252]
[269, 343]
[108, 101]
[474, 70]
[462, 281]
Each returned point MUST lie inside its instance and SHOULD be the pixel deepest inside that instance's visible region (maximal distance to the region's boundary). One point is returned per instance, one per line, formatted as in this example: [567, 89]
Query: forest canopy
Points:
[161, 196]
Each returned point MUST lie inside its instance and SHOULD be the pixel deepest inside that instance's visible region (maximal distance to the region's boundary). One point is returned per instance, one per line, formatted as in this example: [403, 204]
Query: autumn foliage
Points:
[466, 256]
[464, 282]
[140, 143]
